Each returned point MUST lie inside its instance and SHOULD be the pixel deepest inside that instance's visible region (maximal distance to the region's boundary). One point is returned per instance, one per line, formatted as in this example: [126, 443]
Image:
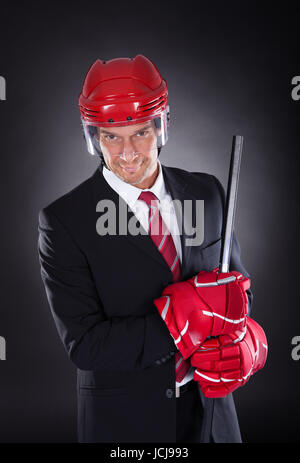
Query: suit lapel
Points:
[102, 190]
[177, 188]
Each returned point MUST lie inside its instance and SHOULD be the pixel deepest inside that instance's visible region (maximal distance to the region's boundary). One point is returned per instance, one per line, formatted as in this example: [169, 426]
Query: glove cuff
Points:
[260, 343]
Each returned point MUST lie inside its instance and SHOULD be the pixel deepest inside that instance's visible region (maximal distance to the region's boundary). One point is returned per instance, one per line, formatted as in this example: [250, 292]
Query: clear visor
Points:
[127, 141]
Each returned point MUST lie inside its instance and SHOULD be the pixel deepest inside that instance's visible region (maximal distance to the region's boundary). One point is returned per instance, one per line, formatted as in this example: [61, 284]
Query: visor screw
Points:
[129, 118]
[110, 120]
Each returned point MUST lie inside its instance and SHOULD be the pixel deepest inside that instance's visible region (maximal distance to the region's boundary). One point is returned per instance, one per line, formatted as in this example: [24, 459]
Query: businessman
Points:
[129, 259]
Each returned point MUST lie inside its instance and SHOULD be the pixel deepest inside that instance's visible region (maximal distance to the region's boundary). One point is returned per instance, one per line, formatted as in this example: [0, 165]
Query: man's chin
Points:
[133, 177]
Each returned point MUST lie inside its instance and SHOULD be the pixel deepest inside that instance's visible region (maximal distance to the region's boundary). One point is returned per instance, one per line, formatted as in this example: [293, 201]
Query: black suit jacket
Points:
[101, 290]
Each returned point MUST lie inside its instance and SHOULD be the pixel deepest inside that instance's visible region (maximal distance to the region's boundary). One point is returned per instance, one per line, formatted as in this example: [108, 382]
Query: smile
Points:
[131, 169]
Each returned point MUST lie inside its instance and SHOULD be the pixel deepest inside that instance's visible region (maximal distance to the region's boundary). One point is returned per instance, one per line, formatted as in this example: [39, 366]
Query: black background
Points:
[229, 68]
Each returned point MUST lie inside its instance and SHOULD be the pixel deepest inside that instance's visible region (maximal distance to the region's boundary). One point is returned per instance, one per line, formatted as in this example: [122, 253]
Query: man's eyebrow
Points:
[145, 127]
[116, 135]
[109, 133]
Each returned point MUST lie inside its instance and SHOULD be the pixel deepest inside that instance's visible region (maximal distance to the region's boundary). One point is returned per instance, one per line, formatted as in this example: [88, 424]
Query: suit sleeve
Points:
[93, 341]
[235, 256]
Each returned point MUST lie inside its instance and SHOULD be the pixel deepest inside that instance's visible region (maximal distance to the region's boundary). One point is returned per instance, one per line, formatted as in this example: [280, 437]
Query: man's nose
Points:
[129, 153]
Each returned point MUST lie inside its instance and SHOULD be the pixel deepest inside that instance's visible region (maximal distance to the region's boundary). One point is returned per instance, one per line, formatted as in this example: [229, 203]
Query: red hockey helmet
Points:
[123, 91]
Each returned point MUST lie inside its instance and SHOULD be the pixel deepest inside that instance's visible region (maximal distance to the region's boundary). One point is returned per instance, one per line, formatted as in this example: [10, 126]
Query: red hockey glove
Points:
[209, 304]
[225, 363]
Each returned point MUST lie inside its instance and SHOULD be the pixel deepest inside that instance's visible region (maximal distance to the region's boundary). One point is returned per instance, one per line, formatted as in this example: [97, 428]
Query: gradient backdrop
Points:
[229, 70]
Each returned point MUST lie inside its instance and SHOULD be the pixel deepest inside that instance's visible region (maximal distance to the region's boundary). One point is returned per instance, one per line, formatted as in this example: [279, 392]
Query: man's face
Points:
[131, 152]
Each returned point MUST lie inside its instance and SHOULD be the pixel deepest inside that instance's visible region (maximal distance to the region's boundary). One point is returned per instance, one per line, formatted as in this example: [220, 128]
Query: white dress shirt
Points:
[130, 195]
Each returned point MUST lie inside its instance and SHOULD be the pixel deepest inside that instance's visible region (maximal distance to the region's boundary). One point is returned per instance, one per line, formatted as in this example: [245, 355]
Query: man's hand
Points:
[225, 363]
[209, 304]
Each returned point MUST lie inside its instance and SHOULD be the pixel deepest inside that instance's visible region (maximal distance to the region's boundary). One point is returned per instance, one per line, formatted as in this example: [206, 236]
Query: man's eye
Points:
[142, 133]
[111, 137]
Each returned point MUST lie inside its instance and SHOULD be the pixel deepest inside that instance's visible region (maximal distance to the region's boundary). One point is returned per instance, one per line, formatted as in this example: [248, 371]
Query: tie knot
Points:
[149, 198]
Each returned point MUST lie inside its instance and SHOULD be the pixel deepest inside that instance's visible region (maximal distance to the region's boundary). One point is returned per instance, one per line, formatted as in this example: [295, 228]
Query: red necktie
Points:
[163, 240]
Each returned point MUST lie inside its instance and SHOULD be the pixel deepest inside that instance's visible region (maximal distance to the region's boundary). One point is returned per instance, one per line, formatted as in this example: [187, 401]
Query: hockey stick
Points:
[230, 207]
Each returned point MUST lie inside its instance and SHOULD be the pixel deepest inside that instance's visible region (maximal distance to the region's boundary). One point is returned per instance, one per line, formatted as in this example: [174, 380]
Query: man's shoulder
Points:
[73, 200]
[194, 178]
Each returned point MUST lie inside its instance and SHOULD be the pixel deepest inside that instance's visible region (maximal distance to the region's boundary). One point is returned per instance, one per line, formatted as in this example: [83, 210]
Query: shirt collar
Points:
[131, 193]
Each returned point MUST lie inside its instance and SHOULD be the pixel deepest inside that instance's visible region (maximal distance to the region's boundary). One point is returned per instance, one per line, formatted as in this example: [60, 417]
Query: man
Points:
[142, 311]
